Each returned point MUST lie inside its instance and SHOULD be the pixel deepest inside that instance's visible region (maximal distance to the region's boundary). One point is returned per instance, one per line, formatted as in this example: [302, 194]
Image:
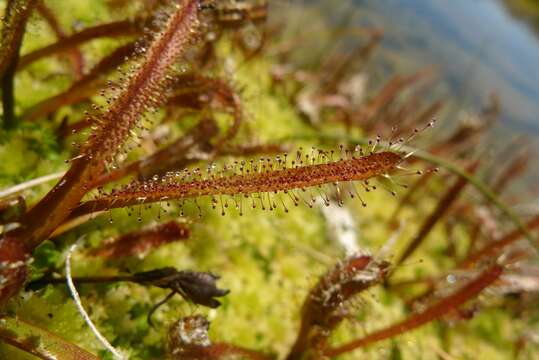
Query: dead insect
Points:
[197, 287]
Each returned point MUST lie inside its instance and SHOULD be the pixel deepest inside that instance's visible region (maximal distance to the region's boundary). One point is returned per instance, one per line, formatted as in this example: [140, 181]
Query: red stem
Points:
[493, 248]
[82, 89]
[441, 308]
[75, 56]
[15, 18]
[443, 206]
[109, 30]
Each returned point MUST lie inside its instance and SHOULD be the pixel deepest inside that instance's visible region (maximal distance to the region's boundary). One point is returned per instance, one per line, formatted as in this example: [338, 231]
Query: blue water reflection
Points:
[478, 46]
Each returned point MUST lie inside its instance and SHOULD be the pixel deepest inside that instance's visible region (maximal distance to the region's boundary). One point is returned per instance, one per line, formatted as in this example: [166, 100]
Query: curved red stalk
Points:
[75, 56]
[493, 248]
[138, 243]
[82, 89]
[109, 30]
[441, 308]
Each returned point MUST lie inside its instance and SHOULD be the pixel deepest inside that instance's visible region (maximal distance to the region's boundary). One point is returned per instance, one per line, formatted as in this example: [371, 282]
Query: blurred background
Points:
[476, 50]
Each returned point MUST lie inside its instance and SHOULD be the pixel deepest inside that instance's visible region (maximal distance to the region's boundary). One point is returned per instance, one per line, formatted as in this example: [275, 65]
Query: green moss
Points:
[269, 260]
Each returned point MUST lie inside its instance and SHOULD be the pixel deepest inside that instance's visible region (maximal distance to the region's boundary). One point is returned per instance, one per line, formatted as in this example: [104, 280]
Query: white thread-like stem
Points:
[83, 312]
[30, 184]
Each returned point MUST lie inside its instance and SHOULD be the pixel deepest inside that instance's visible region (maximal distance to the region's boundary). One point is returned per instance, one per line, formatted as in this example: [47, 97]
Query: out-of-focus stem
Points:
[15, 18]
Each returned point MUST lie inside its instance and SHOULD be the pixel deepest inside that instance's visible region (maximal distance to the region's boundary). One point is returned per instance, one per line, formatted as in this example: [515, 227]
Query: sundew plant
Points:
[217, 179]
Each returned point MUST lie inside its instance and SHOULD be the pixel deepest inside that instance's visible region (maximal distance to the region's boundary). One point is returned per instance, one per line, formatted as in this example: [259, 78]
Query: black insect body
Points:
[197, 287]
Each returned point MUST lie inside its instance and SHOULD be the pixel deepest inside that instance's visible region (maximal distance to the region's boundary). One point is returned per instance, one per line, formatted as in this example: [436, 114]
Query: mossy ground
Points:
[268, 260]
